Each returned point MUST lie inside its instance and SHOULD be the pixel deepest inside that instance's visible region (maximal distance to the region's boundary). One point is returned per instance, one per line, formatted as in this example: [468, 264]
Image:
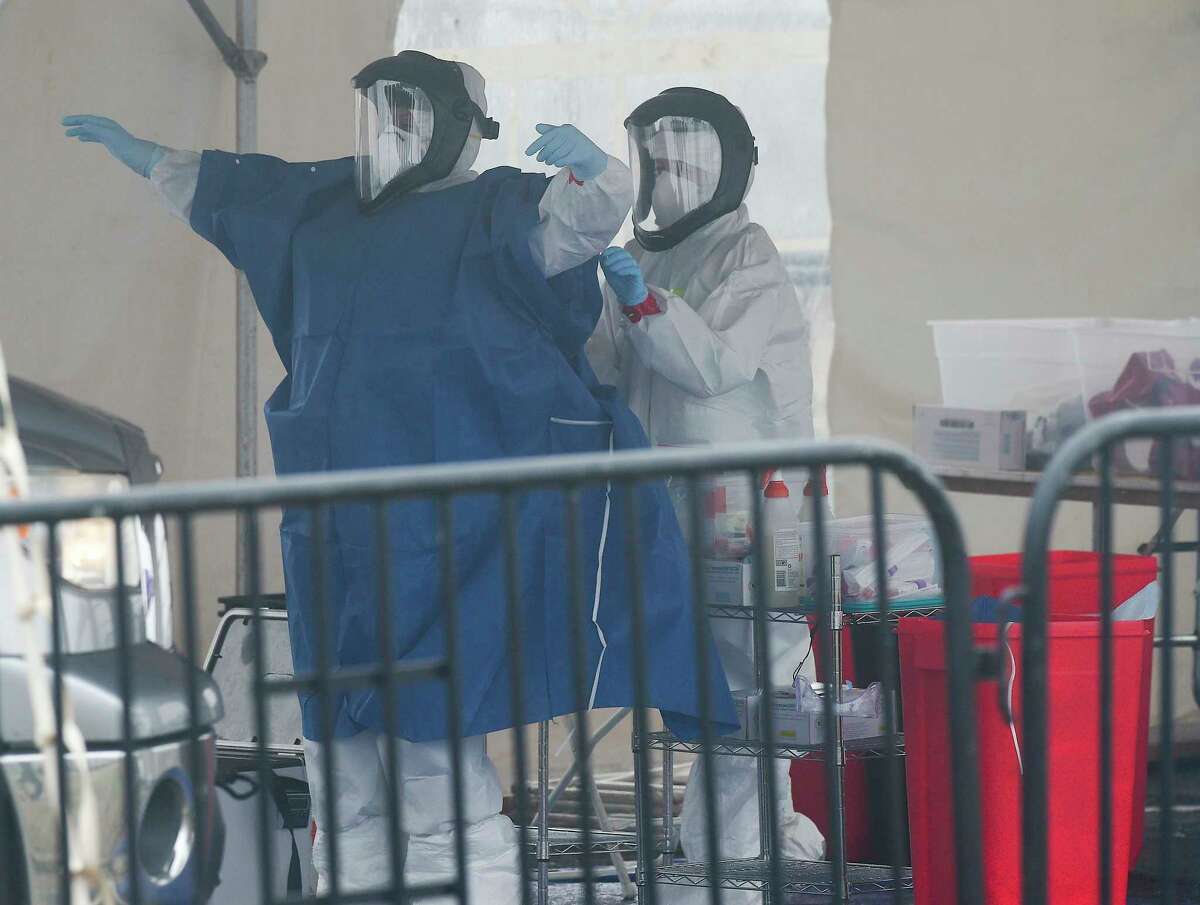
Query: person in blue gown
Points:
[428, 313]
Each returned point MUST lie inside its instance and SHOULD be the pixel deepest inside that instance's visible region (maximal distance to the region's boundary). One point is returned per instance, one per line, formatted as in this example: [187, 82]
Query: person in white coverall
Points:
[580, 211]
[703, 335]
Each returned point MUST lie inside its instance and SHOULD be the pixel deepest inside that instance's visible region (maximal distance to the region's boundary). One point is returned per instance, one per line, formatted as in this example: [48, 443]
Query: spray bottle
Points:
[816, 493]
[782, 545]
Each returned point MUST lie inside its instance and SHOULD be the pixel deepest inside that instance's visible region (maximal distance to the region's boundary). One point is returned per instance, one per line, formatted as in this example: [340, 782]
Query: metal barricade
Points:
[1174, 433]
[568, 477]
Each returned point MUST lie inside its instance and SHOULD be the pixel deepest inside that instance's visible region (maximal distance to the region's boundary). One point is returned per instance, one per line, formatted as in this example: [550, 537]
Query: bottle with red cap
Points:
[782, 537]
[816, 493]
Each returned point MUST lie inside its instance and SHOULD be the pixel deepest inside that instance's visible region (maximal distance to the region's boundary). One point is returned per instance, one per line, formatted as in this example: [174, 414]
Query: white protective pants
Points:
[425, 793]
[736, 779]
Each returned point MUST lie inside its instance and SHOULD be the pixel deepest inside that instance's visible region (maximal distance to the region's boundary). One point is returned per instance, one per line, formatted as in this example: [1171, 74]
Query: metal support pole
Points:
[247, 316]
[245, 61]
[543, 824]
[841, 883]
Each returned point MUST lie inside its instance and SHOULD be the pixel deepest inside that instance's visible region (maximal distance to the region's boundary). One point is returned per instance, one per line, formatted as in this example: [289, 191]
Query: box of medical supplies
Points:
[799, 723]
[970, 438]
[729, 582]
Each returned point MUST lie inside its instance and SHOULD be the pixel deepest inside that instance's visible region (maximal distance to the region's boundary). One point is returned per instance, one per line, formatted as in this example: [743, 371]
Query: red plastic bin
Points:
[1073, 669]
[1074, 578]
[1074, 590]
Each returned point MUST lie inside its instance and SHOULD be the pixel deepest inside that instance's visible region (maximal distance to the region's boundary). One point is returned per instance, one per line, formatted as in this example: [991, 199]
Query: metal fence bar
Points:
[351, 677]
[262, 766]
[768, 782]
[445, 534]
[1104, 528]
[53, 554]
[1167, 425]
[707, 759]
[196, 760]
[325, 695]
[1167, 685]
[960, 660]
[393, 769]
[125, 684]
[644, 806]
[476, 477]
[579, 680]
[512, 596]
[1194, 640]
[443, 483]
[886, 651]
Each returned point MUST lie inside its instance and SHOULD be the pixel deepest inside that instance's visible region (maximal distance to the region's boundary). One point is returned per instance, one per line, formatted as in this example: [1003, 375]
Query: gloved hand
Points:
[137, 154]
[624, 276]
[566, 146]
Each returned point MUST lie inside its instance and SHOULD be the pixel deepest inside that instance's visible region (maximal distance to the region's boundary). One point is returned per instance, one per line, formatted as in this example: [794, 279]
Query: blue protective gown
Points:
[426, 333]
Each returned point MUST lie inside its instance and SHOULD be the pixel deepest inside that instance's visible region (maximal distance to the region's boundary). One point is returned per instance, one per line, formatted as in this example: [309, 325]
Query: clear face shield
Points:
[676, 166]
[394, 126]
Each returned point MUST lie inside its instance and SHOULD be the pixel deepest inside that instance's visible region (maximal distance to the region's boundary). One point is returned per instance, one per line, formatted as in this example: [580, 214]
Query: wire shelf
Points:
[805, 877]
[567, 843]
[853, 613]
[856, 749]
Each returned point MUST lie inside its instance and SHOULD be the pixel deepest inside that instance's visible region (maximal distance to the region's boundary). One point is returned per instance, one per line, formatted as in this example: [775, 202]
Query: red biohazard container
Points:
[1074, 589]
[1074, 578]
[1073, 687]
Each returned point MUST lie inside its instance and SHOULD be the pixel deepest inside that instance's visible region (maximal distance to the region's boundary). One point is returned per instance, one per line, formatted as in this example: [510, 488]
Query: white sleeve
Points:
[578, 221]
[175, 177]
[604, 348]
[721, 351]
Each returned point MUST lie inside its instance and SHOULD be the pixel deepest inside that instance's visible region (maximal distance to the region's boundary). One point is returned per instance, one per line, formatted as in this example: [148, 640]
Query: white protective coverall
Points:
[727, 360]
[577, 221]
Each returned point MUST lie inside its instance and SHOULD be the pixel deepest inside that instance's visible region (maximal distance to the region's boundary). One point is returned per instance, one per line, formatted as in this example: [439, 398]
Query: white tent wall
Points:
[1006, 158]
[104, 296]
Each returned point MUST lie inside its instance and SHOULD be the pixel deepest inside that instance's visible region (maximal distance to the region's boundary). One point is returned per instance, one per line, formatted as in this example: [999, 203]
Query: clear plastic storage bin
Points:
[1063, 372]
[913, 565]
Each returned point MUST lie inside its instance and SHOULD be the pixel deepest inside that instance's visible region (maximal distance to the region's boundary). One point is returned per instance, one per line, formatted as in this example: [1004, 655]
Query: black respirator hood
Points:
[739, 155]
[453, 114]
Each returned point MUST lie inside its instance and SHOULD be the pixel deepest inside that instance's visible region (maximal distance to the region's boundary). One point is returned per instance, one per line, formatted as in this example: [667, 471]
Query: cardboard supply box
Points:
[799, 729]
[970, 438]
[728, 582]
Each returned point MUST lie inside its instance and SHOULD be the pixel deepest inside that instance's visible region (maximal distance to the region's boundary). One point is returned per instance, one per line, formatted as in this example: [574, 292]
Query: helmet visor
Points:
[676, 167]
[394, 126]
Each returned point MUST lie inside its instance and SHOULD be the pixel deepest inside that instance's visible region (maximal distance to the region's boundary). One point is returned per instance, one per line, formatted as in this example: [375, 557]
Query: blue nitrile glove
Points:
[624, 276]
[137, 154]
[566, 146]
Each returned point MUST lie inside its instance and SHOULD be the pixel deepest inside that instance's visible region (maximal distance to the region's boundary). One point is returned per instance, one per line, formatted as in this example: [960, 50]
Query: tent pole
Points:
[246, 61]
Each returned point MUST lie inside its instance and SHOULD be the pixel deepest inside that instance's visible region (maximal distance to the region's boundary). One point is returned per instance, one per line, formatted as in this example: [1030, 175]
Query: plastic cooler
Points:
[1068, 369]
[1074, 586]
[1074, 801]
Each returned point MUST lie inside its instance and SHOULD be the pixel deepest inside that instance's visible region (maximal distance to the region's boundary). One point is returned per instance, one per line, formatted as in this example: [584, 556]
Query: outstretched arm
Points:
[585, 203]
[172, 173]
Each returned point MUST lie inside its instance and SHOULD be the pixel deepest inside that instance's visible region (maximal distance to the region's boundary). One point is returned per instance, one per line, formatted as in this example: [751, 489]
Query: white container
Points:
[1046, 367]
[1008, 364]
[782, 533]
[816, 492]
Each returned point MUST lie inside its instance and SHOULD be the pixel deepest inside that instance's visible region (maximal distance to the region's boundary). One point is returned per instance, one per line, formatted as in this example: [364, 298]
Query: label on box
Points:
[970, 438]
[727, 582]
